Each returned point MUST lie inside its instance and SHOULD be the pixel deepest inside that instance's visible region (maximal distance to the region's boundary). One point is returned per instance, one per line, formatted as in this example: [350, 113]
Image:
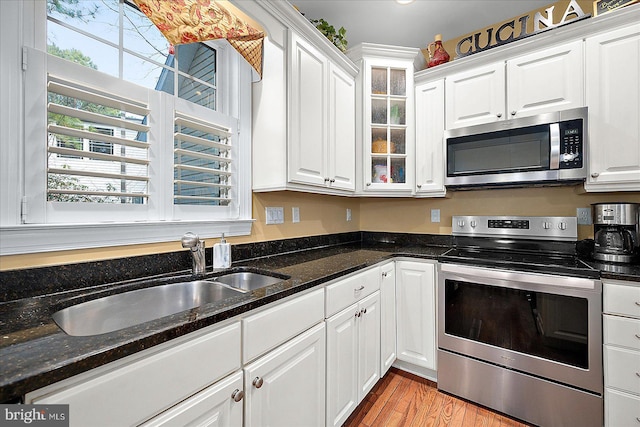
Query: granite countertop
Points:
[35, 352]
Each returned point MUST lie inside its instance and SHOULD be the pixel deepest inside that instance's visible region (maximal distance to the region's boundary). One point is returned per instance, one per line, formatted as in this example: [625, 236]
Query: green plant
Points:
[335, 37]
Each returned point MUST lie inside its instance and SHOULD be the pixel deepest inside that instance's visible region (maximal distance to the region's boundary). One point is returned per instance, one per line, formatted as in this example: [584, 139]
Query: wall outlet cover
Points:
[274, 215]
[295, 214]
[435, 215]
[584, 216]
[348, 214]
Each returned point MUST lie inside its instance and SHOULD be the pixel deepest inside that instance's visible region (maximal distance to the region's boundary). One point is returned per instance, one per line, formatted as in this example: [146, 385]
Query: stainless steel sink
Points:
[131, 308]
[248, 281]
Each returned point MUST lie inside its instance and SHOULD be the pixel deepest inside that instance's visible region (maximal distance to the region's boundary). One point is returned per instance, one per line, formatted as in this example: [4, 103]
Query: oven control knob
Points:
[562, 226]
[460, 223]
[473, 224]
[546, 225]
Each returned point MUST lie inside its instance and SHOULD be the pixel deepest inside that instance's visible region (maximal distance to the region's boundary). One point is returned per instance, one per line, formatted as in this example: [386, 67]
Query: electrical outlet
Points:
[295, 214]
[435, 215]
[274, 215]
[348, 214]
[584, 216]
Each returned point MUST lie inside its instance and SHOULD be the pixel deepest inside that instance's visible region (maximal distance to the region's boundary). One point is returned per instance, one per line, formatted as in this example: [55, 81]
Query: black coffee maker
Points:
[616, 232]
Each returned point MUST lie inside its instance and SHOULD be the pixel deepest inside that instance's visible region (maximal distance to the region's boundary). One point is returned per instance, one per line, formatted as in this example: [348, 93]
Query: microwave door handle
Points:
[554, 137]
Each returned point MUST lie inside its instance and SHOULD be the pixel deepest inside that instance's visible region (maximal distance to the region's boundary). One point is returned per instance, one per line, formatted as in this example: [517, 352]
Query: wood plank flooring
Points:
[404, 399]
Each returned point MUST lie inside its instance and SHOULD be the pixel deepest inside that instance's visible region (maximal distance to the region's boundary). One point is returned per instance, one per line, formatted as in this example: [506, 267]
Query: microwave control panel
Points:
[571, 144]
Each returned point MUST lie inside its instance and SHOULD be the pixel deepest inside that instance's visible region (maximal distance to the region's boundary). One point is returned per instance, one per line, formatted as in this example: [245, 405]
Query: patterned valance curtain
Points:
[189, 21]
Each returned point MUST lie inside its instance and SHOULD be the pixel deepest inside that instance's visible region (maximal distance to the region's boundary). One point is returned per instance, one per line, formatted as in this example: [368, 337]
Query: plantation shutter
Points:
[97, 149]
[202, 162]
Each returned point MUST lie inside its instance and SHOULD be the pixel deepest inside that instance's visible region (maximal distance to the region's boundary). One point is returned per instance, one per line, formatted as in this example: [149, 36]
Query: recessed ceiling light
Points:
[404, 1]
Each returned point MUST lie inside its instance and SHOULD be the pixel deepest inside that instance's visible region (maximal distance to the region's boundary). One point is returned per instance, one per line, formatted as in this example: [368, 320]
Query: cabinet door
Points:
[546, 81]
[307, 113]
[415, 290]
[286, 387]
[475, 96]
[613, 98]
[387, 317]
[342, 129]
[369, 344]
[217, 406]
[429, 138]
[342, 365]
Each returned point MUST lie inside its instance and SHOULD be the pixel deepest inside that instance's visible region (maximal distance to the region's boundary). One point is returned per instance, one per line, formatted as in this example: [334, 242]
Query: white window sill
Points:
[24, 239]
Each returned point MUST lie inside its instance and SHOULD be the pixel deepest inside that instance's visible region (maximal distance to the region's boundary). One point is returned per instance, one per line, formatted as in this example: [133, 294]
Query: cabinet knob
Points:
[368, 184]
[419, 185]
[499, 115]
[513, 113]
[595, 175]
[237, 395]
[384, 274]
[257, 382]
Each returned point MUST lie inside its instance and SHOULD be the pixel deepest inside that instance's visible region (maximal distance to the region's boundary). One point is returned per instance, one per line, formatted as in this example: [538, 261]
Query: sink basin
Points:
[248, 281]
[131, 308]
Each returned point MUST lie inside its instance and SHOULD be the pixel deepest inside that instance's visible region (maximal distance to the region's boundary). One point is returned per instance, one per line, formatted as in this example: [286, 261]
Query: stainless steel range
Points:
[519, 320]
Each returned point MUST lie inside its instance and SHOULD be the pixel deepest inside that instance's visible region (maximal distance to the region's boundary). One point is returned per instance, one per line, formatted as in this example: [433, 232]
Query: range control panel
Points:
[530, 227]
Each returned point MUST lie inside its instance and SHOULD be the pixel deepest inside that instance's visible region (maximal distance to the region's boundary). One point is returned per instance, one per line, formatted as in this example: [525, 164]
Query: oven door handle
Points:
[476, 273]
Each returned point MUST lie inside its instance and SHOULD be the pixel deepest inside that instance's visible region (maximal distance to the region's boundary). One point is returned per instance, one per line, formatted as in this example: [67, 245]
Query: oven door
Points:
[540, 324]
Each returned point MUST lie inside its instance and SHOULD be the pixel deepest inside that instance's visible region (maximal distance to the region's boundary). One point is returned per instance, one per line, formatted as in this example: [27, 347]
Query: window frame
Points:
[234, 91]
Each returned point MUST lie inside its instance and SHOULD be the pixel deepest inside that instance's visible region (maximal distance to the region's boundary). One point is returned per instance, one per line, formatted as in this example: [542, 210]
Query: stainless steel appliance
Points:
[616, 232]
[545, 149]
[519, 320]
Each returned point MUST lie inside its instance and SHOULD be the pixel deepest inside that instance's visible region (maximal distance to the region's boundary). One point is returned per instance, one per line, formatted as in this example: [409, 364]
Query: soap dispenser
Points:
[222, 254]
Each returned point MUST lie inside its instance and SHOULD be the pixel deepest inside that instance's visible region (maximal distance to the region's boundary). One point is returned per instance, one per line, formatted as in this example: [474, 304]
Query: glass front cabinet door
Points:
[386, 130]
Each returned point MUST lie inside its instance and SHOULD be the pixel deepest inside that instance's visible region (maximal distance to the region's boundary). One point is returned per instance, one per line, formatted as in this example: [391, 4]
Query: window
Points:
[138, 140]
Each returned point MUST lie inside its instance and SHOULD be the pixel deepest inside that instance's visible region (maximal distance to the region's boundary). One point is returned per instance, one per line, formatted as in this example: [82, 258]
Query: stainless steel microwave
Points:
[545, 149]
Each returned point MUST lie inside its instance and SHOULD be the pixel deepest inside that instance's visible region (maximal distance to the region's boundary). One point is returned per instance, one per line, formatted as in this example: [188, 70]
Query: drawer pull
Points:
[638, 374]
[237, 395]
[638, 303]
[359, 289]
[257, 382]
[358, 314]
[363, 311]
[638, 336]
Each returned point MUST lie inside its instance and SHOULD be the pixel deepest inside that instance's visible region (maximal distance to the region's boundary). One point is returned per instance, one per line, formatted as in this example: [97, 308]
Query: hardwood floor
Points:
[403, 399]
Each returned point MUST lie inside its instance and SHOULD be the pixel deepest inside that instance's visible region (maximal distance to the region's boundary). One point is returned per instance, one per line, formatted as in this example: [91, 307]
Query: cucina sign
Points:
[519, 28]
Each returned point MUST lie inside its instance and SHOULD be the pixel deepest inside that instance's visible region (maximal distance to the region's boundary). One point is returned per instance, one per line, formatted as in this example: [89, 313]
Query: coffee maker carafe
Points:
[616, 232]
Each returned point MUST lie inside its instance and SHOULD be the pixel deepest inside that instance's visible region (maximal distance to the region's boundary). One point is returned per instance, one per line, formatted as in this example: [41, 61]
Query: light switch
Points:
[274, 215]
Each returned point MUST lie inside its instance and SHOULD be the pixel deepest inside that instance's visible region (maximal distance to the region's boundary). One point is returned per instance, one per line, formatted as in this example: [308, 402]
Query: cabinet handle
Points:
[368, 184]
[638, 336]
[513, 113]
[326, 180]
[332, 180]
[357, 314]
[359, 289]
[237, 395]
[419, 185]
[499, 115]
[384, 274]
[595, 175]
[257, 382]
[638, 303]
[363, 311]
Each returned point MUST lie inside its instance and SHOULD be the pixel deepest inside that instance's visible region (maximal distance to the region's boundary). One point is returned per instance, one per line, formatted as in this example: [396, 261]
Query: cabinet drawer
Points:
[131, 392]
[622, 369]
[622, 299]
[270, 328]
[342, 294]
[622, 331]
[621, 409]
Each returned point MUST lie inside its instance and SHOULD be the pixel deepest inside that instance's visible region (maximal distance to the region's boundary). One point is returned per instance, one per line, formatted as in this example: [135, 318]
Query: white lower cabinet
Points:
[139, 387]
[416, 309]
[286, 386]
[353, 357]
[217, 406]
[621, 333]
[388, 352]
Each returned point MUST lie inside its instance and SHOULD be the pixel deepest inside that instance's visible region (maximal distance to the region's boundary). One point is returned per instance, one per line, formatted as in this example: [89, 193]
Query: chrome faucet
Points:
[193, 242]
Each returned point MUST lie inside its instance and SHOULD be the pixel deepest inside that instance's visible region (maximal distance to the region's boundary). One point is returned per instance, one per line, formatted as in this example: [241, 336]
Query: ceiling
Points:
[414, 24]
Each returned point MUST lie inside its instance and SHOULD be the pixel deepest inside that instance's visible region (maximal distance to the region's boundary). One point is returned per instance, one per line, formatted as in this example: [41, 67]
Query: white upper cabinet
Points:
[546, 81]
[539, 82]
[385, 119]
[303, 108]
[613, 97]
[429, 139]
[475, 96]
